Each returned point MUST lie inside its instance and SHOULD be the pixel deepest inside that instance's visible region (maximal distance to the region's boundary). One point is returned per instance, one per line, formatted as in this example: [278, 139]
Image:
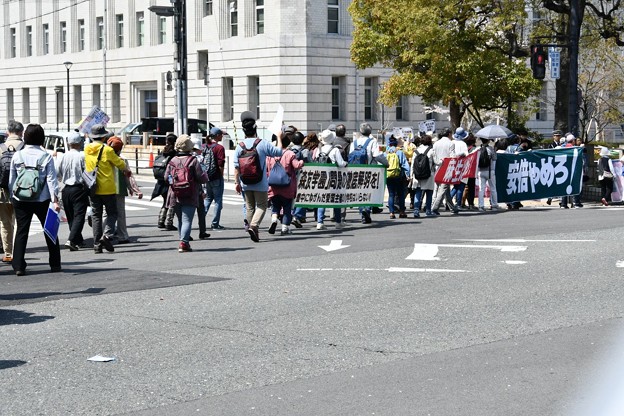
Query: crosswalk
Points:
[133, 204]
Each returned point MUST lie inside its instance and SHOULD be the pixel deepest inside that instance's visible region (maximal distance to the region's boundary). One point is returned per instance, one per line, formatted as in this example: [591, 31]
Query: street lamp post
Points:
[68, 65]
[57, 90]
[178, 12]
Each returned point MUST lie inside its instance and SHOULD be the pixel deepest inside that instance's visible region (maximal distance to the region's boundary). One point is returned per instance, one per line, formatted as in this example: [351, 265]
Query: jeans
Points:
[484, 179]
[457, 193]
[279, 204]
[24, 212]
[396, 194]
[418, 200]
[256, 203]
[214, 192]
[98, 203]
[185, 215]
[337, 215]
[75, 202]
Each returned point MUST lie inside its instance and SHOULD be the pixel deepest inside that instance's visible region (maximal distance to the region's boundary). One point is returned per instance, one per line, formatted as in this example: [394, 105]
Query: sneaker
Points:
[435, 212]
[273, 227]
[171, 227]
[564, 206]
[376, 210]
[340, 225]
[97, 250]
[604, 202]
[392, 216]
[366, 219]
[20, 272]
[456, 211]
[430, 214]
[578, 206]
[253, 234]
[204, 236]
[106, 243]
[217, 227]
[296, 223]
[495, 208]
[71, 246]
[285, 231]
[481, 209]
[320, 226]
[402, 215]
[416, 214]
[184, 247]
[161, 225]
[7, 259]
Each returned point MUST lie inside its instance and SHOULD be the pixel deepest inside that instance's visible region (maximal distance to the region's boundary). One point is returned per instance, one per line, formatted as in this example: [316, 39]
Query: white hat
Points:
[197, 144]
[327, 136]
[570, 138]
[604, 151]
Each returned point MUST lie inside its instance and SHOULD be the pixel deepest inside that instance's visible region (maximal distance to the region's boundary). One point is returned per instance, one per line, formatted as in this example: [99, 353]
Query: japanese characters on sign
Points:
[454, 169]
[539, 174]
[327, 186]
[95, 116]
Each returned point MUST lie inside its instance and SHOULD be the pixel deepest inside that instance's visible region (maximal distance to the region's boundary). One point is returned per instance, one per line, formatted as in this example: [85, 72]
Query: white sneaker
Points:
[285, 231]
[340, 225]
[320, 226]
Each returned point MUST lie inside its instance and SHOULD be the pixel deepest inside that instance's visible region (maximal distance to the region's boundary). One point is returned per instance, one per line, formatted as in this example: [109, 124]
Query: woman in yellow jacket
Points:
[103, 194]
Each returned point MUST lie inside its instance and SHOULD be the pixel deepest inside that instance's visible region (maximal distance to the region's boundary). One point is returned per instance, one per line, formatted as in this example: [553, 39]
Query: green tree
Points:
[464, 54]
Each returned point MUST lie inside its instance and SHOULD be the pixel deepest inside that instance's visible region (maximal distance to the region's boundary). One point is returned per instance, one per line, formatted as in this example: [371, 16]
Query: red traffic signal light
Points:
[538, 61]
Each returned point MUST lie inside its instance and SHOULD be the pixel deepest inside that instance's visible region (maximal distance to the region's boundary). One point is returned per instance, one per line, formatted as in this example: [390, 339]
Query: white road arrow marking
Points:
[521, 240]
[619, 263]
[514, 262]
[334, 245]
[429, 251]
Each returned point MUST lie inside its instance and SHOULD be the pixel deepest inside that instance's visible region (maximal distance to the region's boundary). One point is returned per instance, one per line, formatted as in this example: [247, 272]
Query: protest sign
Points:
[454, 169]
[539, 174]
[95, 116]
[328, 186]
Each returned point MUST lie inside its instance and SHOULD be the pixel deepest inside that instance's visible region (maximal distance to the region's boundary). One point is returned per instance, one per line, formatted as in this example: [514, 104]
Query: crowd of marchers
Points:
[189, 177]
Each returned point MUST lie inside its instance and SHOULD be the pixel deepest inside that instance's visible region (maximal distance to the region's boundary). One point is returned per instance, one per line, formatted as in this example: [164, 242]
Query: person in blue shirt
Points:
[256, 195]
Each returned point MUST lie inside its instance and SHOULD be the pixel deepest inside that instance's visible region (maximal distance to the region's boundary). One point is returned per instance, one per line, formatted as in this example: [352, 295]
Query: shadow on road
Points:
[13, 317]
[4, 364]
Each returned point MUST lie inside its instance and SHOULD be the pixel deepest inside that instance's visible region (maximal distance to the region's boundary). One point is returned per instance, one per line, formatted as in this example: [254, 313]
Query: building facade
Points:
[242, 55]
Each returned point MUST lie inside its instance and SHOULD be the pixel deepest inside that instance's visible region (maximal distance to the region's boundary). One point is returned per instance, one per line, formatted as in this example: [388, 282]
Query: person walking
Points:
[396, 180]
[605, 175]
[334, 155]
[33, 156]
[255, 194]
[13, 143]
[103, 195]
[442, 149]
[426, 184]
[486, 176]
[216, 185]
[183, 197]
[165, 216]
[75, 195]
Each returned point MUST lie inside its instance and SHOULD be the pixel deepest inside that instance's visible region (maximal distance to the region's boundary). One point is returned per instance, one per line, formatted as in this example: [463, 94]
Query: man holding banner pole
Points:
[443, 148]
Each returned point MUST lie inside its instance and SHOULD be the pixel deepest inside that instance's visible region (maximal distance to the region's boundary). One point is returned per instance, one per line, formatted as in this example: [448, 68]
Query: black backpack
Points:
[485, 160]
[160, 166]
[324, 157]
[210, 161]
[422, 167]
[7, 153]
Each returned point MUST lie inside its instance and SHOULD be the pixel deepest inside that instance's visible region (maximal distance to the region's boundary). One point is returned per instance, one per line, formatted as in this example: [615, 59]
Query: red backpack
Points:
[182, 179]
[249, 164]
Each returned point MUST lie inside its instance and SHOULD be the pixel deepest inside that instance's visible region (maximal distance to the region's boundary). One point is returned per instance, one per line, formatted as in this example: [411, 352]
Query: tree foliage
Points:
[464, 54]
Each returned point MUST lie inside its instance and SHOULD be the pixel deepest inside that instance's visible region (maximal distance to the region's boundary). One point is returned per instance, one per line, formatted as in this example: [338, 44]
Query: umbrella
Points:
[493, 131]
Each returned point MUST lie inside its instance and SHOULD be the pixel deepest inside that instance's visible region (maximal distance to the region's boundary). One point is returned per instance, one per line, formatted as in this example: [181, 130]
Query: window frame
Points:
[140, 29]
[13, 40]
[63, 37]
[99, 24]
[333, 7]
[233, 18]
[260, 17]
[45, 39]
[81, 35]
[119, 29]
[29, 40]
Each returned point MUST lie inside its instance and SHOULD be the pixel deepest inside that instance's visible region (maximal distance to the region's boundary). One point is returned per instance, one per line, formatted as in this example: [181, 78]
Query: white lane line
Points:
[134, 201]
[391, 270]
[521, 240]
[132, 208]
[514, 262]
[619, 263]
[429, 251]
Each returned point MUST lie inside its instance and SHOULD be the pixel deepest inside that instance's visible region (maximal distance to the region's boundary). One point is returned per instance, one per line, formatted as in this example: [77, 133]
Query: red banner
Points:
[454, 169]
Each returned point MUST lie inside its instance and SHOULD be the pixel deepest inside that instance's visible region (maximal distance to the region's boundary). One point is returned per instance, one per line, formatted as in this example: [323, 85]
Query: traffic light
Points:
[538, 62]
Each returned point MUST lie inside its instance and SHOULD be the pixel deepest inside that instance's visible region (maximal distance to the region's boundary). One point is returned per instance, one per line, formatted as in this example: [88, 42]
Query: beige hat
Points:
[327, 136]
[184, 144]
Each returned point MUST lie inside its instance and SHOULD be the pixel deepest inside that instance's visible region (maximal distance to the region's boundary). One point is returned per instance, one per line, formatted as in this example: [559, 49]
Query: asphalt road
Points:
[430, 316]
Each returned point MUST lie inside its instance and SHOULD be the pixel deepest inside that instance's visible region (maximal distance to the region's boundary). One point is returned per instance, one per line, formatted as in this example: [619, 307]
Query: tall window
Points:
[29, 39]
[119, 30]
[77, 102]
[116, 99]
[10, 105]
[401, 108]
[63, 37]
[162, 30]
[96, 93]
[43, 105]
[207, 7]
[259, 17]
[234, 18]
[370, 98]
[60, 100]
[81, 35]
[26, 105]
[227, 87]
[333, 14]
[99, 21]
[254, 94]
[13, 49]
[140, 26]
[337, 97]
[46, 39]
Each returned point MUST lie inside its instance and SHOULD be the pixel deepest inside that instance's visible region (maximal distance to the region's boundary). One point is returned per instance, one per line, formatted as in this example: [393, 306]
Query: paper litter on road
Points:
[100, 359]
